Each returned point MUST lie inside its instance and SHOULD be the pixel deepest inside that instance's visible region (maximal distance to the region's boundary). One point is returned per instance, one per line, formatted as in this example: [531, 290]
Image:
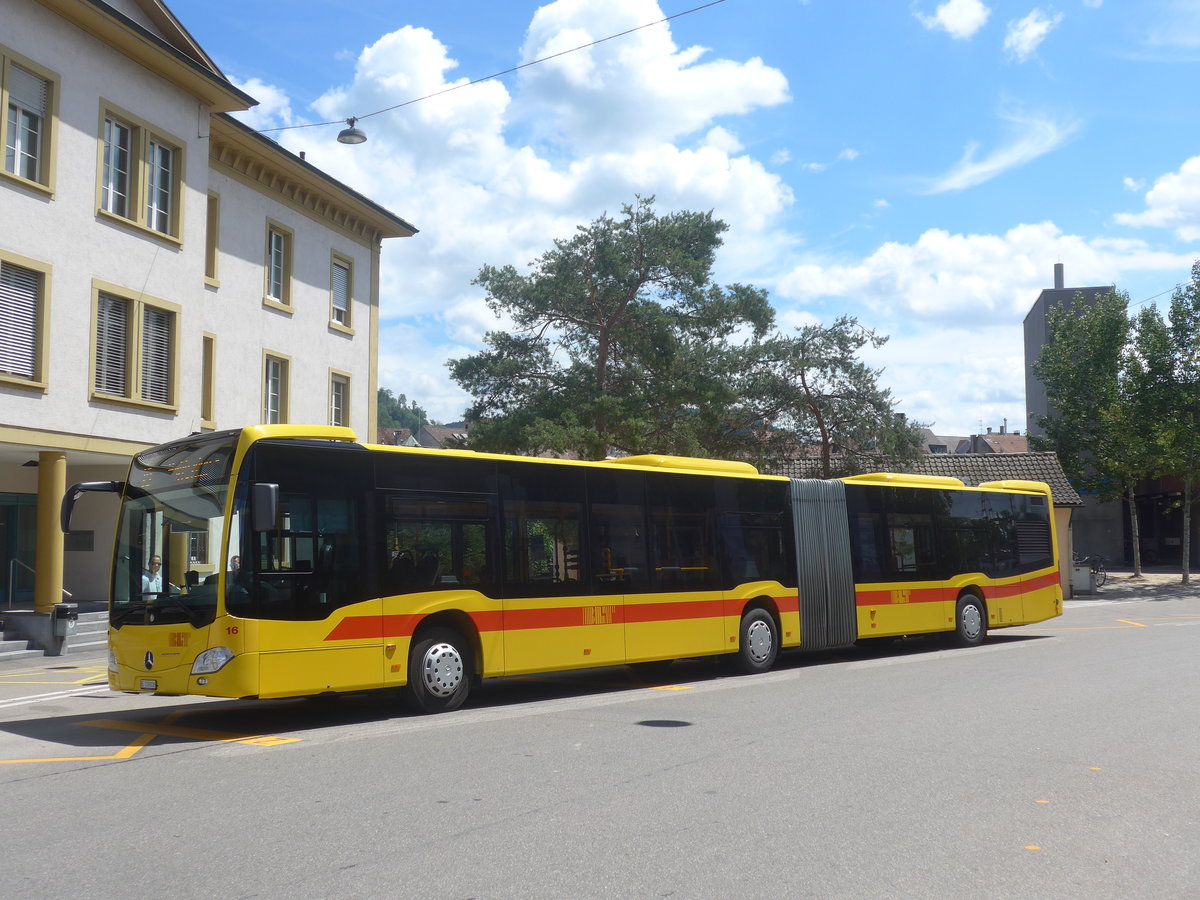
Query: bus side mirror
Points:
[266, 506]
[77, 490]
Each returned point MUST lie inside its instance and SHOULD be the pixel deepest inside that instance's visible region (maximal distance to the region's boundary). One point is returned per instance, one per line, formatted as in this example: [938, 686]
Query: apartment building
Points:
[163, 270]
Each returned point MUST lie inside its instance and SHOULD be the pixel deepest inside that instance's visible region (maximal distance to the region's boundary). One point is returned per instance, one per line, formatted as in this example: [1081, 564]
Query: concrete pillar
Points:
[52, 484]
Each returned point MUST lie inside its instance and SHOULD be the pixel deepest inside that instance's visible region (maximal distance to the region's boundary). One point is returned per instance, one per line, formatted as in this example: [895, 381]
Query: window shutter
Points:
[341, 293]
[27, 90]
[156, 355]
[112, 345]
[19, 288]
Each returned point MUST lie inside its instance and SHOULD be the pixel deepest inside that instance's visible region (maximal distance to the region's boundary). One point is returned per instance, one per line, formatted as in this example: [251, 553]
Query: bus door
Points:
[307, 583]
[682, 615]
[552, 620]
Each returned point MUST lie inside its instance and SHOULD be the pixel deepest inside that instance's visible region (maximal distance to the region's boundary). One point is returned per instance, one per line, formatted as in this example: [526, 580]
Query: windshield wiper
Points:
[194, 616]
[121, 616]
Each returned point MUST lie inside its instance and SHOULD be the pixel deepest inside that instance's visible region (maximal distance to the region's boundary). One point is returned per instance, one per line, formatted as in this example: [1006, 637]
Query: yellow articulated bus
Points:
[283, 560]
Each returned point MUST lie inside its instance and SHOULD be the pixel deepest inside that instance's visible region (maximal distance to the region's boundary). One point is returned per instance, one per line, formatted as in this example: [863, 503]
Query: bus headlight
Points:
[211, 660]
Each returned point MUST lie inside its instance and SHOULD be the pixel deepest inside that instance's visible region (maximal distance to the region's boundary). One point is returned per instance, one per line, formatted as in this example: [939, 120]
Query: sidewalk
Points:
[1155, 583]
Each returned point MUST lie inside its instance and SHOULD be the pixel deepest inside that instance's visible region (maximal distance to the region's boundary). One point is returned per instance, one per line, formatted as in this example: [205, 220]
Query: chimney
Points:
[1004, 427]
[1059, 281]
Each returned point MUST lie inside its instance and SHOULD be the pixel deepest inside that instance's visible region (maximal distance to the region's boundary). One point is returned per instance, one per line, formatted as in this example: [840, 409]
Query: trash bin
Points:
[66, 618]
[1082, 580]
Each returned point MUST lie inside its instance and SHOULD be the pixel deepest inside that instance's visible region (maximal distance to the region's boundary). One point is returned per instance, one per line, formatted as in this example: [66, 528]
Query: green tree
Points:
[620, 342]
[399, 412]
[1090, 369]
[816, 392]
[1179, 430]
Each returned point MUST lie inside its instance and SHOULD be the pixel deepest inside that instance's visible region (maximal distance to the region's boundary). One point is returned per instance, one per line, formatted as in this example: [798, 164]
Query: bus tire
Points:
[970, 621]
[758, 644]
[439, 671]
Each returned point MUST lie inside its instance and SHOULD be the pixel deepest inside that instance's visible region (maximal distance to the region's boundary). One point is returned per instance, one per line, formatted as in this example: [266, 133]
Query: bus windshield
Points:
[169, 533]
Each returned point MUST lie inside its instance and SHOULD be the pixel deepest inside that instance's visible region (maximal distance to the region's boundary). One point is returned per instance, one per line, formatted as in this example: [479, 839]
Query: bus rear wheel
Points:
[759, 643]
[970, 618]
[439, 671]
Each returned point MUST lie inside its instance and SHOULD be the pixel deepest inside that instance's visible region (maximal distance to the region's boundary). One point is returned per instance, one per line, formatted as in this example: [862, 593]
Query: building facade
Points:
[163, 270]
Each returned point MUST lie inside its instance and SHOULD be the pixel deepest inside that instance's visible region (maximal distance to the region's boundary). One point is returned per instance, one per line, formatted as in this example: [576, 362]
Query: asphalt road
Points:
[1058, 760]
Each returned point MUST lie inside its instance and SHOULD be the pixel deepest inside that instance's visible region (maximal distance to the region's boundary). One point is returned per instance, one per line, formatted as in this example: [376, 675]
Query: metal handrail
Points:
[12, 574]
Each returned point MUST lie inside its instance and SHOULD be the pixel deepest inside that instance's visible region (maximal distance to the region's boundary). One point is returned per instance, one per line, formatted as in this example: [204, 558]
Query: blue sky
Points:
[919, 165]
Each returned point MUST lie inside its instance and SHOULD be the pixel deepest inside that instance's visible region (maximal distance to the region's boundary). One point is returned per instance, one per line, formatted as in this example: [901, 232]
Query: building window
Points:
[198, 547]
[160, 192]
[208, 383]
[140, 175]
[27, 97]
[339, 399]
[135, 354]
[279, 266]
[22, 323]
[275, 390]
[341, 290]
[212, 229]
[118, 159]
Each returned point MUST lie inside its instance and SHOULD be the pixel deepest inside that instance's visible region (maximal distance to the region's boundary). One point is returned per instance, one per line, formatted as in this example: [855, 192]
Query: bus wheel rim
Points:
[972, 620]
[758, 641]
[442, 670]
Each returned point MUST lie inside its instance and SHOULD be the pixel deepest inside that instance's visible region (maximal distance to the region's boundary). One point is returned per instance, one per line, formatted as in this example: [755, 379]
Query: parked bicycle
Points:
[1096, 565]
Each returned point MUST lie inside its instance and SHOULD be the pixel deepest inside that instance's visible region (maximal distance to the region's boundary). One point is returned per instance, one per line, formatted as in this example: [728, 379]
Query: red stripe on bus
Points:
[358, 628]
[887, 598]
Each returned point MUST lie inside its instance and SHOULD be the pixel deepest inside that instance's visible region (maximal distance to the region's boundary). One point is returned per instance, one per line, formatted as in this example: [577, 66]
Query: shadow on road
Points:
[199, 721]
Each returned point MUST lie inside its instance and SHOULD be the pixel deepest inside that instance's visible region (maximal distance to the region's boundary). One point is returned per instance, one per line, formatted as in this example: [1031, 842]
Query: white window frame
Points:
[140, 174]
[341, 293]
[339, 398]
[29, 98]
[276, 388]
[277, 267]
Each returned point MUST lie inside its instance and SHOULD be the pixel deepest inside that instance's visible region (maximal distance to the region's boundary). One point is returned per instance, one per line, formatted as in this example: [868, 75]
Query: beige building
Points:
[163, 270]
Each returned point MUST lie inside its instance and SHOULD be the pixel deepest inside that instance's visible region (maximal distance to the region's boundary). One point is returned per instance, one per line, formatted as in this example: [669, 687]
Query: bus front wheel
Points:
[439, 671]
[970, 619]
[759, 644]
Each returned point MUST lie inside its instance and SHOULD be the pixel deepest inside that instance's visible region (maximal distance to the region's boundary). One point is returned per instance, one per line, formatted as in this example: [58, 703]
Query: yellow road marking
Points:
[124, 753]
[1135, 624]
[165, 728]
[671, 687]
[199, 734]
[91, 675]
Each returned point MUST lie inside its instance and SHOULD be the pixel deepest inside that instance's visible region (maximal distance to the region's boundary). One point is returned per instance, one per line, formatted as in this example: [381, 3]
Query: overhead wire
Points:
[509, 71]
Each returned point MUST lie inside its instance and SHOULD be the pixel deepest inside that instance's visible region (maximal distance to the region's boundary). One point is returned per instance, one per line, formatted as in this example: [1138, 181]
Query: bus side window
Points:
[436, 542]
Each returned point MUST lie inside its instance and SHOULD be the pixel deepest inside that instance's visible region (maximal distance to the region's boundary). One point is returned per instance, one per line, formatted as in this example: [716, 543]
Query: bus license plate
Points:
[148, 684]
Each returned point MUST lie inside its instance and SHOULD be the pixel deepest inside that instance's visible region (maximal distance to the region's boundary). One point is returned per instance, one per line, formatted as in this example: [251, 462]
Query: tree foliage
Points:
[1125, 397]
[400, 412]
[621, 343]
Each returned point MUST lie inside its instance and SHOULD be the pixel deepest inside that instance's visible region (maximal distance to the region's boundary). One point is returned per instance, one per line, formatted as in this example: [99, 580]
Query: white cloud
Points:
[848, 155]
[487, 181]
[952, 305]
[961, 19]
[1133, 184]
[968, 278]
[636, 91]
[1033, 136]
[1026, 35]
[274, 107]
[1173, 202]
